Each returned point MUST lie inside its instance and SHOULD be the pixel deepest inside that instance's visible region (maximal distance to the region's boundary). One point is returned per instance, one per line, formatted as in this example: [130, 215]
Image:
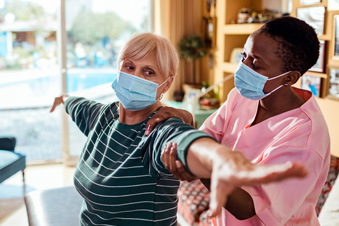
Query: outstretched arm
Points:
[229, 169]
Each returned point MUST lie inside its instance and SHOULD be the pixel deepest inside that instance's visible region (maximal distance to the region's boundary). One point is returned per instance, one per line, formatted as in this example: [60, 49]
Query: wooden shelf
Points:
[316, 74]
[240, 29]
[324, 37]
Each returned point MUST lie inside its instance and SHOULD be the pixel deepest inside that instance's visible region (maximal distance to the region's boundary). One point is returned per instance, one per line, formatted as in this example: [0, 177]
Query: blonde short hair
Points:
[144, 45]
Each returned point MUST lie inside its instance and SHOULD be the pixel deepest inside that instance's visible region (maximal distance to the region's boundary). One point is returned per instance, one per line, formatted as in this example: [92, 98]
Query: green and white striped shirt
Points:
[120, 173]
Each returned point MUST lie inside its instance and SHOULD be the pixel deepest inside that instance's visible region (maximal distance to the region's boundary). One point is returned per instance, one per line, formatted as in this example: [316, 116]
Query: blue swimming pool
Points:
[77, 80]
[80, 81]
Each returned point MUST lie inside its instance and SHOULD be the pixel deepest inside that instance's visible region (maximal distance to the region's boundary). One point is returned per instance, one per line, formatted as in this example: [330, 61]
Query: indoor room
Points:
[66, 65]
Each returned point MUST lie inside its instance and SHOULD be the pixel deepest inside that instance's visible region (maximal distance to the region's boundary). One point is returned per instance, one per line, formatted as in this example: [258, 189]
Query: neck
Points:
[283, 100]
[135, 117]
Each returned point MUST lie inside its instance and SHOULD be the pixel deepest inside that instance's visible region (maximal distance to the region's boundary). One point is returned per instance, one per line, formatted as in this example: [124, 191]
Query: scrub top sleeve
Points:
[276, 203]
[83, 112]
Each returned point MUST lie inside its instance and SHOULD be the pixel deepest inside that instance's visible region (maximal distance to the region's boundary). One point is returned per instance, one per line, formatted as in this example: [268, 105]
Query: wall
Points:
[330, 109]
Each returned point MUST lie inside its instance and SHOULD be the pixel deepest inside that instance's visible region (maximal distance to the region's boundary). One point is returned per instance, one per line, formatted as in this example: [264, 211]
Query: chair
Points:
[53, 207]
[10, 161]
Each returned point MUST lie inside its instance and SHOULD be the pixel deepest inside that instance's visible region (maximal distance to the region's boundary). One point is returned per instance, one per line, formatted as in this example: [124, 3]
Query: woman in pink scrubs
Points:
[270, 122]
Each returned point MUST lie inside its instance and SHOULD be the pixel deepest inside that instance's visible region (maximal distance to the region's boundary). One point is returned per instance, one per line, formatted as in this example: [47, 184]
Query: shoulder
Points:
[110, 111]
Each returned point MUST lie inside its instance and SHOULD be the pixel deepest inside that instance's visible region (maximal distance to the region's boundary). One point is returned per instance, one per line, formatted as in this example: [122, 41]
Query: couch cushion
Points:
[10, 164]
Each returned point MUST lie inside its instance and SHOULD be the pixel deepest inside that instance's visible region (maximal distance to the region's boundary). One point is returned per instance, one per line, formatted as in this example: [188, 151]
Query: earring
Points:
[285, 84]
[161, 96]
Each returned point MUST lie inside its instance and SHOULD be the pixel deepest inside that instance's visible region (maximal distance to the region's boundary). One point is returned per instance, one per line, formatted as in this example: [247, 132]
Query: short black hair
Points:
[298, 42]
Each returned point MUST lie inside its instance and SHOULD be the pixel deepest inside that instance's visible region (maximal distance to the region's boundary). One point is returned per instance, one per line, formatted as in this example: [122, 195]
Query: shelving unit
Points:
[231, 35]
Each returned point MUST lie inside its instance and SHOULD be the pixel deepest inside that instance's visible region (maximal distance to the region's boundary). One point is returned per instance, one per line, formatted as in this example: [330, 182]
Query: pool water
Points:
[81, 81]
[77, 80]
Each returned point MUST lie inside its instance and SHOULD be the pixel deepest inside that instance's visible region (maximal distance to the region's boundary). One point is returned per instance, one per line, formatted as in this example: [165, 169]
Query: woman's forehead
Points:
[261, 45]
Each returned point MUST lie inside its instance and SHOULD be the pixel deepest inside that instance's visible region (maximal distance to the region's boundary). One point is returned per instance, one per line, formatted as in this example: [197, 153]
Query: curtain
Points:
[174, 19]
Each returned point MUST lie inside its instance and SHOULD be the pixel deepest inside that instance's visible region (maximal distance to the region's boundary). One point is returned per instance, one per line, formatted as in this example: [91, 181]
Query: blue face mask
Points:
[250, 84]
[135, 93]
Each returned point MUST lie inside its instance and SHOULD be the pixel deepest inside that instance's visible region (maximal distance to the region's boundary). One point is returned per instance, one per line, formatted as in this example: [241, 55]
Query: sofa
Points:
[11, 162]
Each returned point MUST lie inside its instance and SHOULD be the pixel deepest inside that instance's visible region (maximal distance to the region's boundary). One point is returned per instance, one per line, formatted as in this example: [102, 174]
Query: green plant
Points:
[192, 47]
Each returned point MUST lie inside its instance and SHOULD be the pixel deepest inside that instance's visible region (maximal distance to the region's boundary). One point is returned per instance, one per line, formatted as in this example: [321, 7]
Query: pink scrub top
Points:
[299, 135]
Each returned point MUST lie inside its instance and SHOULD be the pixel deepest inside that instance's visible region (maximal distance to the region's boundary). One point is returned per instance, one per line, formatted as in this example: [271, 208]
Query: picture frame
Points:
[312, 83]
[333, 4]
[320, 64]
[336, 37]
[210, 31]
[309, 2]
[314, 16]
[333, 83]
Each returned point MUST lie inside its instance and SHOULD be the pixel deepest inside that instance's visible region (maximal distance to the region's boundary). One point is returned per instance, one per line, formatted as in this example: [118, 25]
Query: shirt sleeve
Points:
[172, 130]
[83, 112]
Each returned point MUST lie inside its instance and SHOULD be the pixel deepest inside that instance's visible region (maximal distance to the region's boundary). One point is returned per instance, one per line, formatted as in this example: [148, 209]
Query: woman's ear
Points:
[168, 83]
[292, 77]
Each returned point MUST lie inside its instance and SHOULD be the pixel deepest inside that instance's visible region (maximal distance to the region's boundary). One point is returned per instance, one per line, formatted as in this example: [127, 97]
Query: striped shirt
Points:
[120, 173]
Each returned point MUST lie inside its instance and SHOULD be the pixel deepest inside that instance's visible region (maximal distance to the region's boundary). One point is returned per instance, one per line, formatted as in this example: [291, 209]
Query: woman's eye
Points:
[255, 66]
[129, 67]
[149, 72]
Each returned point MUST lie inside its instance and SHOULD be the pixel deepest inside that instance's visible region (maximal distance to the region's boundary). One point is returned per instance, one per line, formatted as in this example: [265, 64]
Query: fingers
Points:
[182, 173]
[219, 193]
[173, 158]
[151, 124]
[174, 166]
[160, 116]
[164, 156]
[165, 113]
[57, 101]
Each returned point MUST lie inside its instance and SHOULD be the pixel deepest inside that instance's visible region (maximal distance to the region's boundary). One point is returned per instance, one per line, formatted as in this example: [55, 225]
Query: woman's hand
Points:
[165, 113]
[173, 165]
[57, 101]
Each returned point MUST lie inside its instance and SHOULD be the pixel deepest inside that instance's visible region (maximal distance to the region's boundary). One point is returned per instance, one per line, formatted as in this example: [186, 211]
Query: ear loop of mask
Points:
[162, 94]
[267, 94]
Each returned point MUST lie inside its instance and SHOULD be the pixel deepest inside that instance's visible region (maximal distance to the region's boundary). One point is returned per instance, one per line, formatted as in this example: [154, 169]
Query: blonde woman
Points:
[120, 173]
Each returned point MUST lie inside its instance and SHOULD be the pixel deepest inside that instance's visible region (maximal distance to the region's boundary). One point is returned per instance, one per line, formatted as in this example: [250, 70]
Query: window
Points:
[30, 68]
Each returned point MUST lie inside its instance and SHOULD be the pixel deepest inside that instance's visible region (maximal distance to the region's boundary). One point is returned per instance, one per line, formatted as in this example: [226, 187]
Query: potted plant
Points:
[191, 48]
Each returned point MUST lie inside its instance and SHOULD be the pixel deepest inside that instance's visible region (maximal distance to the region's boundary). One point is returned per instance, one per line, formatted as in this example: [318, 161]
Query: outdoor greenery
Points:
[23, 10]
[90, 27]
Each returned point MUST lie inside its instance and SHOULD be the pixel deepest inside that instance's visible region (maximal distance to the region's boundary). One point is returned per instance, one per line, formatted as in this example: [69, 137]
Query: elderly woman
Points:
[120, 173]
[270, 121]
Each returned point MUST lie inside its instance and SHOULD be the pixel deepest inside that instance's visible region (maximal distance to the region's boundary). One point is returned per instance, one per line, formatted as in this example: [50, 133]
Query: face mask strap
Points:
[279, 75]
[165, 81]
[162, 94]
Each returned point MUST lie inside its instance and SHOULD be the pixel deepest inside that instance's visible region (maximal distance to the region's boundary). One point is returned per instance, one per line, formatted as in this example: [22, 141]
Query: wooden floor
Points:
[13, 212]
